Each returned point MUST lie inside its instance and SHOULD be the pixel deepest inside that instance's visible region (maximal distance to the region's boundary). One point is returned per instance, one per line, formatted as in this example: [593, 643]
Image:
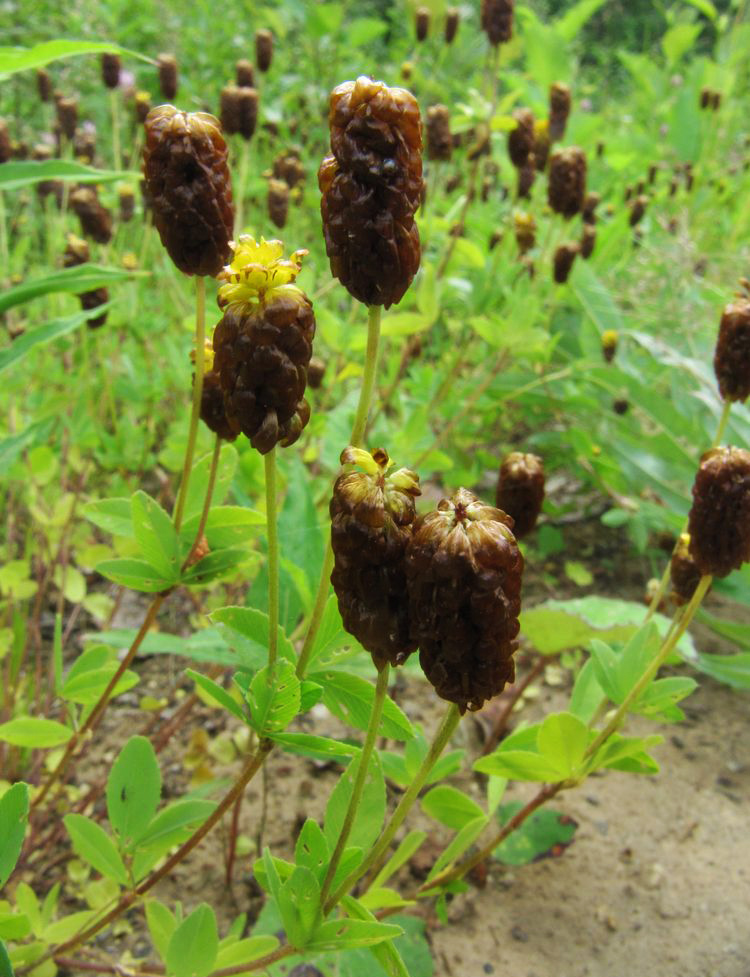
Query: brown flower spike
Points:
[464, 571]
[567, 181]
[732, 355]
[372, 513]
[188, 183]
[719, 522]
[520, 490]
[371, 186]
[497, 20]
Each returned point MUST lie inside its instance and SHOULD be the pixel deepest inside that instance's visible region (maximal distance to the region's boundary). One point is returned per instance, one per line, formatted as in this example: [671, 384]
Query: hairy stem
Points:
[273, 562]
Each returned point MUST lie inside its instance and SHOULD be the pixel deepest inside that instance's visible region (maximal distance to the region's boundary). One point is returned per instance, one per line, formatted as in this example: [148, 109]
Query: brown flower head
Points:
[732, 355]
[719, 522]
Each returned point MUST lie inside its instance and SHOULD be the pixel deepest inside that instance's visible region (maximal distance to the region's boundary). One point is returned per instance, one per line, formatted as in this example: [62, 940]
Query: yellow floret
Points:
[259, 274]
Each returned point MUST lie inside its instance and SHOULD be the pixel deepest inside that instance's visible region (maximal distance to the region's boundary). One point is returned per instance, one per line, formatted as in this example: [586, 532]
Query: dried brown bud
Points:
[245, 74]
[559, 110]
[732, 355]
[653, 172]
[521, 139]
[525, 231]
[497, 20]
[621, 406]
[567, 181]
[126, 197]
[288, 167]
[526, 178]
[719, 522]
[520, 490]
[372, 513]
[371, 186]
[96, 220]
[248, 112]
[167, 67]
[213, 412]
[464, 571]
[715, 101]
[563, 260]
[229, 109]
[439, 139]
[588, 241]
[44, 85]
[278, 202]
[92, 300]
[188, 183]
[609, 344]
[67, 116]
[111, 66]
[315, 372]
[638, 210]
[422, 23]
[142, 106]
[705, 98]
[684, 572]
[77, 251]
[590, 203]
[263, 49]
[451, 24]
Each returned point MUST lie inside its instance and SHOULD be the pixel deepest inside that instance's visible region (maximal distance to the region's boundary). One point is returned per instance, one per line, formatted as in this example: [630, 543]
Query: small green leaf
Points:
[63, 929]
[194, 945]
[459, 844]
[93, 845]
[543, 832]
[342, 934]
[273, 707]
[245, 951]
[214, 566]
[518, 765]
[35, 733]
[331, 634]
[451, 807]
[44, 334]
[14, 926]
[409, 845]
[318, 747]
[350, 699]
[217, 693]
[198, 483]
[172, 821]
[6, 970]
[247, 631]
[155, 535]
[136, 574]
[14, 815]
[562, 741]
[299, 904]
[368, 818]
[133, 789]
[312, 850]
[112, 515]
[161, 925]
[587, 693]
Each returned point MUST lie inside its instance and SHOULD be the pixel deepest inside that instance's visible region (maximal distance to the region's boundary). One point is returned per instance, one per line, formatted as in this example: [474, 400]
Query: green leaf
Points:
[627, 753]
[312, 850]
[247, 631]
[13, 59]
[14, 814]
[42, 335]
[350, 699]
[451, 807]
[459, 844]
[155, 535]
[161, 925]
[220, 563]
[339, 934]
[678, 40]
[6, 970]
[202, 646]
[518, 765]
[170, 827]
[112, 515]
[733, 670]
[14, 926]
[405, 850]
[364, 30]
[299, 903]
[226, 526]
[562, 740]
[544, 832]
[15, 175]
[273, 707]
[385, 953]
[35, 733]
[331, 634]
[136, 574]
[245, 951]
[63, 929]
[318, 747]
[705, 7]
[81, 278]
[93, 845]
[11, 447]
[586, 694]
[194, 945]
[370, 812]
[133, 789]
[576, 17]
[217, 693]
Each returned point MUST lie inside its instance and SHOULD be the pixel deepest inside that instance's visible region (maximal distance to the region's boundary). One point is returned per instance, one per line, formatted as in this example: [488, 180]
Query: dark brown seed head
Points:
[248, 112]
[567, 181]
[77, 251]
[609, 344]
[229, 109]
[451, 24]
[715, 101]
[126, 197]
[526, 178]
[142, 106]
[559, 110]
[563, 260]
[653, 172]
[263, 344]
[638, 210]
[213, 412]
[263, 49]
[92, 300]
[245, 74]
[732, 356]
[45, 188]
[684, 572]
[372, 513]
[497, 20]
[525, 231]
[621, 406]
[590, 203]
[439, 138]
[67, 116]
[44, 85]
[167, 67]
[96, 220]
[521, 139]
[422, 23]
[188, 184]
[464, 571]
[315, 372]
[520, 490]
[719, 521]
[111, 66]
[371, 186]
[288, 167]
[588, 241]
[278, 202]
[705, 98]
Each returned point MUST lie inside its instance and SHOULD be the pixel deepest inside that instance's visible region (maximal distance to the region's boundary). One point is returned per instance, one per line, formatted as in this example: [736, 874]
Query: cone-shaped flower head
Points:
[563, 260]
[167, 67]
[439, 139]
[521, 139]
[559, 110]
[497, 20]
[464, 571]
[372, 513]
[111, 67]
[371, 186]
[520, 490]
[451, 24]
[732, 356]
[524, 226]
[188, 183]
[263, 343]
[567, 181]
[719, 522]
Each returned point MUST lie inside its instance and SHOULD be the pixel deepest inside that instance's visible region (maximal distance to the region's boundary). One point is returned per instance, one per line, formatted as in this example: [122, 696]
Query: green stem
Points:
[723, 421]
[381, 691]
[115, 129]
[358, 432]
[206, 503]
[273, 562]
[200, 340]
[373, 861]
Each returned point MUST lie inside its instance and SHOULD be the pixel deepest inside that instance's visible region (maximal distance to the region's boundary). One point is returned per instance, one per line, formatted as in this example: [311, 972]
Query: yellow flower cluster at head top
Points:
[258, 274]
